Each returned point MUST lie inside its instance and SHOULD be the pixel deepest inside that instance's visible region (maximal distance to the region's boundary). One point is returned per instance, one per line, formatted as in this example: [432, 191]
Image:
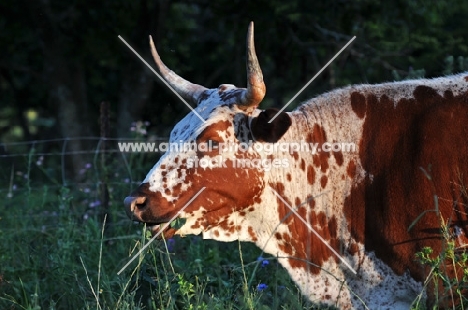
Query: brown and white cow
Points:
[356, 206]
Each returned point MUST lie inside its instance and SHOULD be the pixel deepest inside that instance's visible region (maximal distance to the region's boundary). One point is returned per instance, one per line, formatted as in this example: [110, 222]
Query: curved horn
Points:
[255, 86]
[184, 88]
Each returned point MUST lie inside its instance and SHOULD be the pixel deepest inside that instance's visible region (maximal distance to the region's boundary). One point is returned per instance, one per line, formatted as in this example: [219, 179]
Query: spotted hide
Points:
[364, 199]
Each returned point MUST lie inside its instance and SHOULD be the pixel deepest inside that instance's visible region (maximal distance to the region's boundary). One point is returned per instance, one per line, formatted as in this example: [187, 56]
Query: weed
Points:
[447, 280]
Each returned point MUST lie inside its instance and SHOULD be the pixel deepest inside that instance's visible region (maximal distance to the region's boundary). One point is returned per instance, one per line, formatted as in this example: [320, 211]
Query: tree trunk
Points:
[67, 91]
[65, 75]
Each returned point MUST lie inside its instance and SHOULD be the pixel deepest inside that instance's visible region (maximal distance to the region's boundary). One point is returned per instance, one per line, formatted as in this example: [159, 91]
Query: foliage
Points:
[56, 50]
[447, 270]
[448, 276]
[56, 252]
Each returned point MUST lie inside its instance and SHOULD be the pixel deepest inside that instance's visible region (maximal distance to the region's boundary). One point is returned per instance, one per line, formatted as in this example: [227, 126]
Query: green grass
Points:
[447, 272]
[54, 253]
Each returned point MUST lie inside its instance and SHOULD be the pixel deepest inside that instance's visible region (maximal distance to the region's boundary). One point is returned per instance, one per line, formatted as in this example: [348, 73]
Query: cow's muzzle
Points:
[133, 205]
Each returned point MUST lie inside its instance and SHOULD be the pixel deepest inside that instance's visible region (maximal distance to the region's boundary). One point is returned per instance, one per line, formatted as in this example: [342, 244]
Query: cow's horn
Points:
[184, 88]
[255, 86]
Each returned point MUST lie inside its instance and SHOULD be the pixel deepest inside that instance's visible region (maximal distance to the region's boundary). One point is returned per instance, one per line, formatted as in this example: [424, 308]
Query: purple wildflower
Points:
[262, 287]
[95, 204]
[170, 244]
[264, 261]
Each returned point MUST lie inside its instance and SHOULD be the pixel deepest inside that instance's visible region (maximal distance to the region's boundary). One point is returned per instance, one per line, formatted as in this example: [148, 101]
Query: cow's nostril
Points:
[132, 203]
[140, 206]
[140, 202]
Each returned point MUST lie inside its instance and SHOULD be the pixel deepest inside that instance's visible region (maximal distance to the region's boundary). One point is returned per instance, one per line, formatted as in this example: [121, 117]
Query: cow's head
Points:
[230, 119]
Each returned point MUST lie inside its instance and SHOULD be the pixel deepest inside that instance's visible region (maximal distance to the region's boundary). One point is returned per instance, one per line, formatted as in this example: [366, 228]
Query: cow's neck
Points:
[315, 186]
[321, 181]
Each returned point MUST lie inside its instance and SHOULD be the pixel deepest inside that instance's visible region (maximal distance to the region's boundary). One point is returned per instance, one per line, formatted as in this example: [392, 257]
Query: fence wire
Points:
[37, 175]
[10, 149]
[26, 154]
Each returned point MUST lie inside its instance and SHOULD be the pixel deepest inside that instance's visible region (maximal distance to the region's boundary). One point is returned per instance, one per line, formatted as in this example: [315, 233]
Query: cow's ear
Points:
[264, 131]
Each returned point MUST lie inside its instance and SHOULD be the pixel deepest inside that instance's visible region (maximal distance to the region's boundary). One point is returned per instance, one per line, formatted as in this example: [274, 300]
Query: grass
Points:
[447, 280]
[56, 252]
[447, 276]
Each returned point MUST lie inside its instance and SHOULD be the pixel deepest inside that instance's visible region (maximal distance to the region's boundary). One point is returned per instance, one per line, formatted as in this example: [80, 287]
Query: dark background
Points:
[61, 59]
[59, 177]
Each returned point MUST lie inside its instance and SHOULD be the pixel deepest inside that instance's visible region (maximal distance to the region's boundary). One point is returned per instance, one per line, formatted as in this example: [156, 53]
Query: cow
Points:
[345, 223]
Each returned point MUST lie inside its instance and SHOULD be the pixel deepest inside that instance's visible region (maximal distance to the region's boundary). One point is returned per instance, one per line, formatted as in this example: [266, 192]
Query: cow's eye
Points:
[208, 146]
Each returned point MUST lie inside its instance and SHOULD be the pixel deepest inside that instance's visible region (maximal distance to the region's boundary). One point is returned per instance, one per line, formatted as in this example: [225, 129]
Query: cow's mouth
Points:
[161, 231]
[134, 206]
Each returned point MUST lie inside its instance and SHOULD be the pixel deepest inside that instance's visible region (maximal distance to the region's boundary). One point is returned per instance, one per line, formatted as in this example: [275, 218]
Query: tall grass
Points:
[57, 253]
[447, 280]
